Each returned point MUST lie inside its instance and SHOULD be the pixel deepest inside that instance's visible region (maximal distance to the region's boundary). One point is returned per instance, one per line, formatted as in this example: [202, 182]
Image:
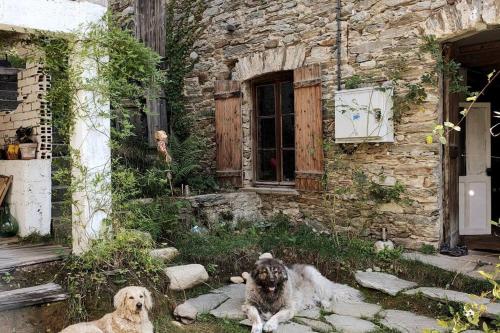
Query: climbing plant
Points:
[183, 27]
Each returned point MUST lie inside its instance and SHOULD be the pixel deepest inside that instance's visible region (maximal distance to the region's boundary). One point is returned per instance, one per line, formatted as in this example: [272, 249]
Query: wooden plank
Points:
[228, 132]
[5, 182]
[308, 129]
[19, 298]
[451, 165]
[12, 257]
[150, 24]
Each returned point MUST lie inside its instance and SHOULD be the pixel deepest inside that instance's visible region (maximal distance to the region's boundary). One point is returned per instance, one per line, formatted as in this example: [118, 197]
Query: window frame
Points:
[276, 79]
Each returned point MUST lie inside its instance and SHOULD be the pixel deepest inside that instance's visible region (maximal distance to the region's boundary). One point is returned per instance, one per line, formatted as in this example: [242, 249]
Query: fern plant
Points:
[185, 158]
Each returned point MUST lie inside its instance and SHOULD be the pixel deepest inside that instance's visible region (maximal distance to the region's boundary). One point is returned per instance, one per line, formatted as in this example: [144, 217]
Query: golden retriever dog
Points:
[276, 293]
[131, 315]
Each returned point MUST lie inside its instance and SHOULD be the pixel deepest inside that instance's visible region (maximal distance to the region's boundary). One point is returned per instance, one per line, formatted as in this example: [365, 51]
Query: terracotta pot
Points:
[13, 151]
[28, 150]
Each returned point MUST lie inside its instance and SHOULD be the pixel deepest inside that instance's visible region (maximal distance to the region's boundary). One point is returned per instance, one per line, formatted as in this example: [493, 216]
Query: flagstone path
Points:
[359, 317]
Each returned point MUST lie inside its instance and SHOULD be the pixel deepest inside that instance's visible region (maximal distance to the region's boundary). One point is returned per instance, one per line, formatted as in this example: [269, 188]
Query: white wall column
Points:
[91, 157]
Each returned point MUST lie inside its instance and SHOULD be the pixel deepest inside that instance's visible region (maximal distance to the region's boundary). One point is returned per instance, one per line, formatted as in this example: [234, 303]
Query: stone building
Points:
[269, 88]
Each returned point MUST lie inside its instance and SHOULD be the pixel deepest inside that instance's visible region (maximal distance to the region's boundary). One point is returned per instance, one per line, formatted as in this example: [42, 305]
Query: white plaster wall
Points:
[48, 15]
[29, 197]
[91, 138]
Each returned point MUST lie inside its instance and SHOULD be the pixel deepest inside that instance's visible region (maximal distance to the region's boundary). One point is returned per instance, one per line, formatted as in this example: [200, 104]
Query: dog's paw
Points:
[257, 328]
[271, 326]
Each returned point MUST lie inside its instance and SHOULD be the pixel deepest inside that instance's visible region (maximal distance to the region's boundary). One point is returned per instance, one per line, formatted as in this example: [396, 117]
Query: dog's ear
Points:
[120, 298]
[148, 299]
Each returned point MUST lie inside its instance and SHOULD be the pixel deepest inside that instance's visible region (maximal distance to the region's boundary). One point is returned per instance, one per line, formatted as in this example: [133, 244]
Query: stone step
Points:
[447, 295]
[492, 309]
[384, 282]
[457, 265]
[408, 322]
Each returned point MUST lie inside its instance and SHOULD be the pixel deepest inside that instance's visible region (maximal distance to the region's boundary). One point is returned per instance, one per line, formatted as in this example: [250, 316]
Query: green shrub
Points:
[94, 277]
[427, 249]
[159, 218]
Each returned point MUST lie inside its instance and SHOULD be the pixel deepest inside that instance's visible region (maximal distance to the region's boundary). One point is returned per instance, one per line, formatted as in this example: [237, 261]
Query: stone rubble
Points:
[384, 282]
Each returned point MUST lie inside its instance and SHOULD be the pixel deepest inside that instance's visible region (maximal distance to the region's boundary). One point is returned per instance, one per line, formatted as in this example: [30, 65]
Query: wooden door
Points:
[451, 159]
[308, 128]
[228, 132]
[475, 186]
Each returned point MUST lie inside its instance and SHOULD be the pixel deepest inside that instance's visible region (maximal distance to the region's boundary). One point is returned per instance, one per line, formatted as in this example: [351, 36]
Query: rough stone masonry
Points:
[271, 36]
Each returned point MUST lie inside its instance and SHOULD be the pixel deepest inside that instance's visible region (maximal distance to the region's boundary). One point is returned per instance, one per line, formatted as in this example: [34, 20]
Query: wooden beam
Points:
[19, 298]
[12, 257]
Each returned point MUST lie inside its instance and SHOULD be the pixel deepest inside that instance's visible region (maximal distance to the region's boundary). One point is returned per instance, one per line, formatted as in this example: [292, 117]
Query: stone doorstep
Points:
[384, 282]
[451, 264]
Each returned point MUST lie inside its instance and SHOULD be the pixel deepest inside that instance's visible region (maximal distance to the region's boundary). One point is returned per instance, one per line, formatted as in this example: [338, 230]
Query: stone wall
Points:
[286, 34]
[377, 36]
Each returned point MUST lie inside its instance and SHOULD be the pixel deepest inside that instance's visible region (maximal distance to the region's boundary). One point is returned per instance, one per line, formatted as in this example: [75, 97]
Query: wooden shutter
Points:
[228, 132]
[308, 128]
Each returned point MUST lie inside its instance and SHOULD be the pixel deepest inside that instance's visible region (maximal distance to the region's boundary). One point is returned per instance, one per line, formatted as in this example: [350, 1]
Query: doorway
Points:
[472, 162]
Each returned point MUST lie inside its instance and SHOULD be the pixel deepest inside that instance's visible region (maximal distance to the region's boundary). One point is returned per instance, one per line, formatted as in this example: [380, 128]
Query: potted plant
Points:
[26, 144]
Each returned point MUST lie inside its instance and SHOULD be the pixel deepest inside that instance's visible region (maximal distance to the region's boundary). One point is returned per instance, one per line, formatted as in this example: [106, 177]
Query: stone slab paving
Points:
[208, 302]
[313, 313]
[316, 325]
[231, 291]
[288, 327]
[407, 322]
[347, 324]
[293, 328]
[230, 309]
[358, 310]
[384, 282]
[447, 295]
[492, 310]
[458, 264]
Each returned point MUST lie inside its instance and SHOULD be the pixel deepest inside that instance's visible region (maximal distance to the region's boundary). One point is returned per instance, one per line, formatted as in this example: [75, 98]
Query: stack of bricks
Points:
[33, 111]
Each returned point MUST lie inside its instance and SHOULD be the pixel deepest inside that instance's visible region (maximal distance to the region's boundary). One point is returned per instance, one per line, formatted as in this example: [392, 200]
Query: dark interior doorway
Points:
[478, 56]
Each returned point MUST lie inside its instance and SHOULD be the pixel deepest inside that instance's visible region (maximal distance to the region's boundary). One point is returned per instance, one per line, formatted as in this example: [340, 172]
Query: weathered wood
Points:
[228, 132]
[13, 256]
[5, 182]
[308, 129]
[19, 298]
[150, 24]
[150, 29]
[451, 165]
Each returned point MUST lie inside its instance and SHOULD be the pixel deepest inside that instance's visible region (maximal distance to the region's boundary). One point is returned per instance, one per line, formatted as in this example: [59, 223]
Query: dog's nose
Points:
[139, 305]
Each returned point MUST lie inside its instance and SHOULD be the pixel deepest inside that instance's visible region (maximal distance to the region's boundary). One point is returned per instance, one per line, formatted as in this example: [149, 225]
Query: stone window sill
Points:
[271, 190]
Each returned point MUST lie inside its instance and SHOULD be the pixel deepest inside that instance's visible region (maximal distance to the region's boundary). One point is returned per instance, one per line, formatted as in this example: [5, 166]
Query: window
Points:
[275, 124]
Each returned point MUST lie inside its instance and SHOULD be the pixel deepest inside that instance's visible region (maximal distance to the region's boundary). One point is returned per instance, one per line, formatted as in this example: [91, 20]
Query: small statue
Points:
[161, 138]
